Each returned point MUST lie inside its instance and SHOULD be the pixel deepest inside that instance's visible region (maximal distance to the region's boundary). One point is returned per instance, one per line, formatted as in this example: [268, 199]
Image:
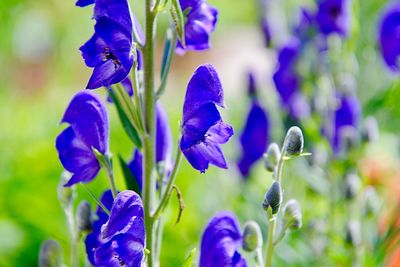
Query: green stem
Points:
[281, 235]
[278, 173]
[149, 140]
[96, 199]
[136, 96]
[259, 258]
[270, 244]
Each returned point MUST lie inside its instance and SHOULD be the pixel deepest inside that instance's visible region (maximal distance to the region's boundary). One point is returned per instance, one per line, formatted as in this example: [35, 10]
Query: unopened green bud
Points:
[349, 137]
[353, 233]
[271, 157]
[370, 131]
[371, 201]
[273, 198]
[50, 254]
[252, 237]
[65, 194]
[352, 185]
[293, 217]
[295, 142]
[84, 217]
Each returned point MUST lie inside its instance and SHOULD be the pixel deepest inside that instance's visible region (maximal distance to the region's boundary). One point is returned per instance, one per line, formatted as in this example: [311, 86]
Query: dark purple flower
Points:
[200, 23]
[254, 138]
[94, 240]
[203, 129]
[109, 53]
[347, 114]
[333, 16]
[220, 242]
[88, 120]
[163, 147]
[122, 237]
[389, 36]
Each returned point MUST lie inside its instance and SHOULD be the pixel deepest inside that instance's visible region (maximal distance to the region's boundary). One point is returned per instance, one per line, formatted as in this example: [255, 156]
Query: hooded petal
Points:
[117, 10]
[333, 16]
[389, 37]
[203, 87]
[221, 241]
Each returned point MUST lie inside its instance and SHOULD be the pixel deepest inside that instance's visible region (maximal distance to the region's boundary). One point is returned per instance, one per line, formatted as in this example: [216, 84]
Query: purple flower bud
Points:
[333, 16]
[389, 38]
[266, 30]
[88, 120]
[200, 23]
[203, 129]
[305, 25]
[120, 241]
[220, 242]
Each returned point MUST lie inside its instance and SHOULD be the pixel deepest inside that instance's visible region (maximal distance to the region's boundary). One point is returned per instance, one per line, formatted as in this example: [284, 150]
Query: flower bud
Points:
[252, 237]
[370, 201]
[352, 185]
[272, 156]
[295, 142]
[273, 198]
[50, 254]
[65, 194]
[370, 131]
[84, 217]
[293, 217]
[349, 138]
[353, 233]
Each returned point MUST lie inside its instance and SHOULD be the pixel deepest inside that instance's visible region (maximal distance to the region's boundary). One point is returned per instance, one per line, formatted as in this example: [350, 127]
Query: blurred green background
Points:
[41, 69]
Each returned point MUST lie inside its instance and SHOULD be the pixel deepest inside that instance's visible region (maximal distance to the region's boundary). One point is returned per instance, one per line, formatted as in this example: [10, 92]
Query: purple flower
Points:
[203, 129]
[220, 242]
[287, 81]
[254, 138]
[109, 53]
[200, 23]
[266, 30]
[83, 3]
[333, 16]
[94, 240]
[347, 114]
[304, 27]
[88, 120]
[122, 237]
[163, 147]
[389, 37]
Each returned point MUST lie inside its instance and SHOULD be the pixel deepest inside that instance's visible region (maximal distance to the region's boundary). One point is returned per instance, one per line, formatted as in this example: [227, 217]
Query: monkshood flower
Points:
[333, 16]
[122, 237]
[94, 240]
[303, 29]
[109, 53]
[287, 81]
[254, 138]
[389, 38]
[88, 129]
[200, 23]
[203, 129]
[163, 147]
[347, 114]
[220, 242]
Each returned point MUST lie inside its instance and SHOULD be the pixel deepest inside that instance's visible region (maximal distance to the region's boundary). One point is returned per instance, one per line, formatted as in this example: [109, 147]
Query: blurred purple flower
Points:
[200, 23]
[287, 81]
[83, 3]
[254, 138]
[333, 16]
[88, 120]
[203, 129]
[389, 37]
[109, 53]
[163, 147]
[94, 240]
[304, 27]
[266, 30]
[347, 114]
[122, 237]
[220, 242]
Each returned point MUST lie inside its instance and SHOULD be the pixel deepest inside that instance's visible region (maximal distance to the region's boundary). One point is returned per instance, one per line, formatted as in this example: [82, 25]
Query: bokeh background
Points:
[41, 69]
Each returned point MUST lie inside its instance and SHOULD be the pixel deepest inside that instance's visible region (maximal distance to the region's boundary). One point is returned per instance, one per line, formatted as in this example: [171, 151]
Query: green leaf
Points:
[126, 123]
[130, 181]
[179, 20]
[189, 259]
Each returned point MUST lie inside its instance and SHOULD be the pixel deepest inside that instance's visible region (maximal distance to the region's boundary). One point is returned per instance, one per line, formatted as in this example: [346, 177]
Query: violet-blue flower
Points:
[254, 138]
[200, 23]
[203, 129]
[220, 242]
[333, 16]
[163, 147]
[109, 53]
[88, 128]
[122, 238]
[347, 114]
[389, 38]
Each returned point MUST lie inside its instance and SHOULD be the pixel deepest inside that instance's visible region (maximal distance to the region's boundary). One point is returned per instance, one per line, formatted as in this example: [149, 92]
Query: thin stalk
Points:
[281, 235]
[136, 96]
[270, 244]
[96, 199]
[149, 140]
[259, 258]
